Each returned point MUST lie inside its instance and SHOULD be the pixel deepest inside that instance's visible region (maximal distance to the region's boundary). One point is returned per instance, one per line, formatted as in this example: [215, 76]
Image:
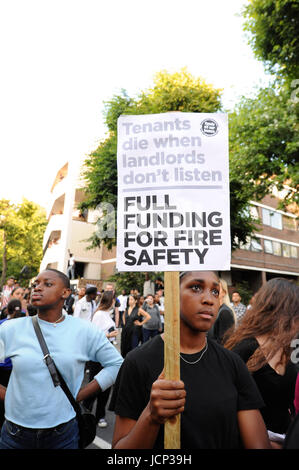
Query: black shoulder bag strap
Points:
[55, 374]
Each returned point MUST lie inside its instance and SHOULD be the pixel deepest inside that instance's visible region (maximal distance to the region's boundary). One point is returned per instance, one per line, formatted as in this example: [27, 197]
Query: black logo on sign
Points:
[209, 127]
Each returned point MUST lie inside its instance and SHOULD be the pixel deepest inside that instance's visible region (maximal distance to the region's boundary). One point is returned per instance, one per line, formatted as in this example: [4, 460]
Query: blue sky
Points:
[61, 59]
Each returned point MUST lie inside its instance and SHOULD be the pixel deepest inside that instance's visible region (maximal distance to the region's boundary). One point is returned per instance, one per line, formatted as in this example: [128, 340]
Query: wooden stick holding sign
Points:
[172, 429]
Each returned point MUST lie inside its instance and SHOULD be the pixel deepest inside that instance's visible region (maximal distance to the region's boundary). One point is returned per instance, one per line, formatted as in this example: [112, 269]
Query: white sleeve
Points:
[77, 310]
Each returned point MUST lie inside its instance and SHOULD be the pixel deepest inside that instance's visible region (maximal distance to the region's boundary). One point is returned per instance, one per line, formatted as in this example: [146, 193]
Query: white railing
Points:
[55, 223]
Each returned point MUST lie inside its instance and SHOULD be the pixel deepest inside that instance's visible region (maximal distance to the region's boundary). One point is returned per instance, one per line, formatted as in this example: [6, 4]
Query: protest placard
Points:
[173, 192]
[173, 209]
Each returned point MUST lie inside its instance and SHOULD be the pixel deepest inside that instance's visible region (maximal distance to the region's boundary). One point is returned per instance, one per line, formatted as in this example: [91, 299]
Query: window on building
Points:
[268, 247]
[272, 248]
[286, 250]
[252, 244]
[289, 223]
[276, 248]
[246, 245]
[255, 245]
[272, 218]
[276, 220]
[294, 251]
[254, 212]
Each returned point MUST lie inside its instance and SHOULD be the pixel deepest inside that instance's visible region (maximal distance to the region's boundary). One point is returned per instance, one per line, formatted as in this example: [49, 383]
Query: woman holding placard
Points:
[216, 396]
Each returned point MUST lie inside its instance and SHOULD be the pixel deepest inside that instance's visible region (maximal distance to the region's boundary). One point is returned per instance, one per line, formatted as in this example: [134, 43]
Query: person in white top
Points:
[71, 267]
[103, 321]
[123, 299]
[86, 307]
[102, 318]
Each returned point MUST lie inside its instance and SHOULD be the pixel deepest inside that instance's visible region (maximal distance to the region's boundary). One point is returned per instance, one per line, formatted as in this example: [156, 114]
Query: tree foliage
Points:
[264, 140]
[179, 91]
[21, 235]
[273, 26]
[264, 145]
[131, 280]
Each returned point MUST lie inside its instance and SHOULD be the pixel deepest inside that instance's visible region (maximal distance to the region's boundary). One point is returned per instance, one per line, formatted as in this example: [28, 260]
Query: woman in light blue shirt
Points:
[38, 415]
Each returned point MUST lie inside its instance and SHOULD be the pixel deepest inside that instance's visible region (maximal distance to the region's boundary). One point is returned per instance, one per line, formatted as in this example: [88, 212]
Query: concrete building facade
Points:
[68, 230]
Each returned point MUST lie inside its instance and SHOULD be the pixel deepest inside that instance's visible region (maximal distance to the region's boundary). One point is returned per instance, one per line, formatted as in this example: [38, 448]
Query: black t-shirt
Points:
[278, 391]
[217, 387]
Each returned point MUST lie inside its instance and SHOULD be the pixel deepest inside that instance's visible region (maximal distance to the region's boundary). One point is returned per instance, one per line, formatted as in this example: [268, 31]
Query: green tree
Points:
[273, 26]
[264, 145]
[127, 281]
[132, 280]
[21, 237]
[264, 140]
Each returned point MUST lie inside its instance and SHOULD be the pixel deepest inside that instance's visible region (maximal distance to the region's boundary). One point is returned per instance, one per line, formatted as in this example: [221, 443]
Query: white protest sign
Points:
[173, 192]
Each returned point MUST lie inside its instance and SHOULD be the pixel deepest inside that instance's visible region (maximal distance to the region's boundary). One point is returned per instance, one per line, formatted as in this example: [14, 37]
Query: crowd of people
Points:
[115, 342]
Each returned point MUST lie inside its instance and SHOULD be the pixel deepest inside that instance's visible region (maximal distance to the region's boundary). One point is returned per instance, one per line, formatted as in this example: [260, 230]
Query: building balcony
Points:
[52, 254]
[56, 224]
[57, 194]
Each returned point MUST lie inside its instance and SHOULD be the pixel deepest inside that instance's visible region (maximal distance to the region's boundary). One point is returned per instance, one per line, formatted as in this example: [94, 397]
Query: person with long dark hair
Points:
[263, 340]
[134, 318]
[216, 397]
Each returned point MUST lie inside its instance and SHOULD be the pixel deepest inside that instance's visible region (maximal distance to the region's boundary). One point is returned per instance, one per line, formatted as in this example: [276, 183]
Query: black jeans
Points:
[147, 334]
[101, 397]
